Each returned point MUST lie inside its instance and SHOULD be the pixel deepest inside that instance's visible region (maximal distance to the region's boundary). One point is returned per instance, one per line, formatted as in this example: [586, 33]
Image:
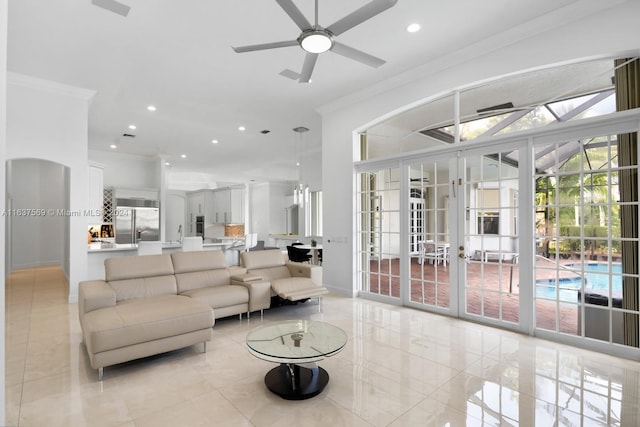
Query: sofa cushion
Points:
[133, 267]
[141, 320]
[262, 259]
[202, 279]
[187, 262]
[145, 287]
[220, 296]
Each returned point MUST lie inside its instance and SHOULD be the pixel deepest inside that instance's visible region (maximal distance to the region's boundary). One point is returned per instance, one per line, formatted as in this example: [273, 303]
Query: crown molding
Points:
[23, 80]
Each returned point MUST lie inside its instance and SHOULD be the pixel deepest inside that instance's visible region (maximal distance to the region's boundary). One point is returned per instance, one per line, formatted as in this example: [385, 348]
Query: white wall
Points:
[3, 127]
[190, 181]
[267, 207]
[47, 120]
[607, 32]
[311, 169]
[259, 219]
[127, 170]
[36, 239]
[278, 206]
[175, 215]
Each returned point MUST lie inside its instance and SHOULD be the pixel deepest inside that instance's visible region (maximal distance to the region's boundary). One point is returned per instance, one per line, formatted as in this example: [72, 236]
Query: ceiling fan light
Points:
[316, 42]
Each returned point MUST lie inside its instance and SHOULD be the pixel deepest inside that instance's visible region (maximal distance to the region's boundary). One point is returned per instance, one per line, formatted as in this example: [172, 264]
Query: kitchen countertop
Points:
[112, 247]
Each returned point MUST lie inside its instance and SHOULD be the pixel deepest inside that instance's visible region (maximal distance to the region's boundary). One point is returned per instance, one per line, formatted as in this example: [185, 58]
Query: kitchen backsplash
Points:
[234, 230]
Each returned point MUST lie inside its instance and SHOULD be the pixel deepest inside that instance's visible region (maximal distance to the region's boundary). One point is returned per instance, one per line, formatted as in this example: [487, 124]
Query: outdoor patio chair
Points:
[432, 252]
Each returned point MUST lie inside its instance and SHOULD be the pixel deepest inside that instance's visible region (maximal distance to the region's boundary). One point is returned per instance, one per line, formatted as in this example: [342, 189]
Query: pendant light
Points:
[301, 190]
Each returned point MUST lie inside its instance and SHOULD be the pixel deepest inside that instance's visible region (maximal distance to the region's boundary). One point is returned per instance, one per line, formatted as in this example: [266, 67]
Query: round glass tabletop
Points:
[296, 341]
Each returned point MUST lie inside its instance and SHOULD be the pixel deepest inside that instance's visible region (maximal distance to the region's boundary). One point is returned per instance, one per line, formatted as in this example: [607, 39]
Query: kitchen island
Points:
[282, 240]
[99, 251]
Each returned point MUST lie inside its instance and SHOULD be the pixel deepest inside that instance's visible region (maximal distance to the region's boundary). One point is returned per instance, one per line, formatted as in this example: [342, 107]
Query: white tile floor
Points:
[401, 367]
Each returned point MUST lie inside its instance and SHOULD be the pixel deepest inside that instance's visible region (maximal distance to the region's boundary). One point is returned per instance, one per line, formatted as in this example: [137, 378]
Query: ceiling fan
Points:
[113, 6]
[315, 39]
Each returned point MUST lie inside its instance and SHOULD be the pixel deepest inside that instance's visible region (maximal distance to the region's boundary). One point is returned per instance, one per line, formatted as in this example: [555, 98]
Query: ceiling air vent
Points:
[128, 135]
[265, 131]
[505, 106]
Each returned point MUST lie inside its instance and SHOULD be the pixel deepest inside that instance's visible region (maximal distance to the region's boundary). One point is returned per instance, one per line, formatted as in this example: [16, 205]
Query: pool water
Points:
[596, 275]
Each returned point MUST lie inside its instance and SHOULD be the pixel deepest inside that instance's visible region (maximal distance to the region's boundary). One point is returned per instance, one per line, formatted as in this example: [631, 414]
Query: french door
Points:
[537, 234]
[429, 261]
[488, 246]
[464, 212]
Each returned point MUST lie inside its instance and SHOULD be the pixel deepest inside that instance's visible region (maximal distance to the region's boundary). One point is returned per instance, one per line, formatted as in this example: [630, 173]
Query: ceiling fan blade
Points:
[112, 6]
[264, 46]
[295, 14]
[356, 55]
[367, 11]
[290, 74]
[307, 68]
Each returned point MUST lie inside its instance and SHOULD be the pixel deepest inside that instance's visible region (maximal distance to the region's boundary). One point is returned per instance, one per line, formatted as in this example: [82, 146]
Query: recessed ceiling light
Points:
[297, 163]
[151, 108]
[242, 128]
[412, 28]
[132, 127]
[113, 146]
[184, 156]
[167, 164]
[214, 141]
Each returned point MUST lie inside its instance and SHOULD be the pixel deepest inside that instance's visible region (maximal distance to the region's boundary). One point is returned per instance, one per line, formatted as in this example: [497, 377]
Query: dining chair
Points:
[149, 248]
[298, 255]
[193, 243]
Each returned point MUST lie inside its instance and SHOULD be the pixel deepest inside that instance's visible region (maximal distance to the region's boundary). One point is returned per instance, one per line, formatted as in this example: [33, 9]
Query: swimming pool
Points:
[596, 275]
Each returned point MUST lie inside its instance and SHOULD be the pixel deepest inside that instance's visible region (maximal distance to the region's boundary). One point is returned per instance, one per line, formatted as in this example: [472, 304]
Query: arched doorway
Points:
[37, 221]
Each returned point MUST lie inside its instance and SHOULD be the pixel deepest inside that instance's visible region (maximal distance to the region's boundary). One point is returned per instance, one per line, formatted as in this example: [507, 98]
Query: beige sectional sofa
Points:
[292, 281]
[151, 304]
[204, 276]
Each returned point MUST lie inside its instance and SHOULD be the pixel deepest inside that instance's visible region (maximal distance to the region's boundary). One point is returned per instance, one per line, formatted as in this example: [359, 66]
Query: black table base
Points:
[294, 382]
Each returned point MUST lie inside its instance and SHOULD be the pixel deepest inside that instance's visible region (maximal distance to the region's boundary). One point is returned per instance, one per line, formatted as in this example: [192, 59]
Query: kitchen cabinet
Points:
[196, 206]
[228, 206]
[196, 203]
[220, 206]
[136, 193]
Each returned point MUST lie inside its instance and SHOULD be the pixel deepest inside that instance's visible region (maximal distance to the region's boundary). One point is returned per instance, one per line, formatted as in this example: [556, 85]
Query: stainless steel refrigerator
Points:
[140, 222]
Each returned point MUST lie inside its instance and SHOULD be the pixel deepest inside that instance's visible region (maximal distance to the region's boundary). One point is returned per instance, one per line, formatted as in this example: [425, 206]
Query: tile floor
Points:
[401, 367]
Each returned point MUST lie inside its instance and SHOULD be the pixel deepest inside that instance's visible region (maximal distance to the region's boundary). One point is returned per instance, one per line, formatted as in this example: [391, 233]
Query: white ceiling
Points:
[177, 55]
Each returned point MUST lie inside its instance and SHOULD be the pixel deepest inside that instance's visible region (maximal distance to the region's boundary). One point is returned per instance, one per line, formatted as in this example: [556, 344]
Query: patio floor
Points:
[487, 291]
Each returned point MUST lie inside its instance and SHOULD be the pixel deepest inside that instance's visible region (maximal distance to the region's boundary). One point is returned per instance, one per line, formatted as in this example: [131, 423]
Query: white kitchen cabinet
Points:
[228, 206]
[221, 205]
[195, 207]
[136, 193]
[196, 203]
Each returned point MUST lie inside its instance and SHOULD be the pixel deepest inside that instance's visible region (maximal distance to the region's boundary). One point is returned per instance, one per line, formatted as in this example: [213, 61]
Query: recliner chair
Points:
[292, 281]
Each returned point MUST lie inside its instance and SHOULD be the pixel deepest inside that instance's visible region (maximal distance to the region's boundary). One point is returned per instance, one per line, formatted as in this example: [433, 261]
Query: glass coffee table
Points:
[296, 345]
